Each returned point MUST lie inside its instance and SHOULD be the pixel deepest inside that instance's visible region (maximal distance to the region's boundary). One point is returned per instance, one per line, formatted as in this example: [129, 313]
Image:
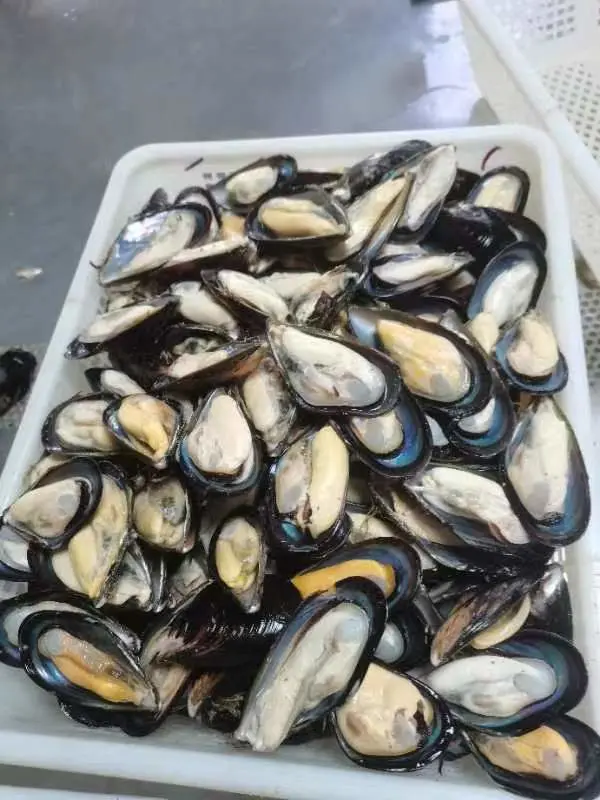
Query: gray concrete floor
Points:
[83, 81]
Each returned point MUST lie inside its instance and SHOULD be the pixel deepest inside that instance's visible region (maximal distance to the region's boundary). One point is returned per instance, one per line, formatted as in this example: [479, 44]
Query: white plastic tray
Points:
[32, 730]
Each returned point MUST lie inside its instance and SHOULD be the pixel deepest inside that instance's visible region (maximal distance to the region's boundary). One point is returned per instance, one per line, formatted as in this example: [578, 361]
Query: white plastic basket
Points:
[32, 730]
[537, 62]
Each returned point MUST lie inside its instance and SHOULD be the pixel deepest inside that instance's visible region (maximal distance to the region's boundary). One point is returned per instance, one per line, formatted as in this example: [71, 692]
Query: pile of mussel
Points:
[319, 482]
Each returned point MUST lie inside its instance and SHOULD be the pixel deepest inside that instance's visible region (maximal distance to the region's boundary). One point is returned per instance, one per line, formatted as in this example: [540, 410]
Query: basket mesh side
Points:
[535, 21]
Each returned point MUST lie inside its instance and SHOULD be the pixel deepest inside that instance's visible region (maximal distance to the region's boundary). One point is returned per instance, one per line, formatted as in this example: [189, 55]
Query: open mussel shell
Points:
[546, 476]
[148, 427]
[392, 722]
[433, 174]
[482, 436]
[269, 405]
[372, 216]
[510, 284]
[326, 647]
[122, 328]
[306, 217]
[475, 505]
[320, 304]
[405, 641]
[560, 760]
[515, 686]
[306, 496]
[330, 375]
[417, 524]
[399, 272]
[210, 630]
[185, 338]
[80, 659]
[243, 189]
[140, 581]
[218, 451]
[367, 173]
[58, 505]
[149, 241]
[188, 578]
[237, 558]
[76, 427]
[437, 365]
[484, 618]
[17, 609]
[196, 372]
[529, 358]
[94, 553]
[394, 444]
[165, 515]
[247, 297]
[107, 380]
[503, 188]
[196, 305]
[389, 563]
[479, 231]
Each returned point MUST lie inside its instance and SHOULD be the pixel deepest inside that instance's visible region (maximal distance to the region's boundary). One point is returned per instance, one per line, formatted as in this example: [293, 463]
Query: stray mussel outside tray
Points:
[320, 478]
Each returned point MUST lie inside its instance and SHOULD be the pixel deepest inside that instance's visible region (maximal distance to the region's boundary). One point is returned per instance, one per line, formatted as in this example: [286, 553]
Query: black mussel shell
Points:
[554, 503]
[367, 323]
[14, 561]
[527, 261]
[419, 269]
[16, 609]
[237, 558]
[147, 242]
[43, 669]
[106, 380]
[434, 735]
[130, 328]
[565, 683]
[32, 522]
[390, 563]
[552, 382]
[165, 514]
[211, 631]
[158, 201]
[406, 458]
[243, 189]
[524, 228]
[369, 612]
[551, 608]
[205, 371]
[100, 441]
[377, 398]
[503, 188]
[405, 641]
[464, 181]
[17, 368]
[129, 420]
[497, 611]
[365, 174]
[433, 175]
[307, 218]
[477, 230]
[214, 474]
[465, 435]
[580, 782]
